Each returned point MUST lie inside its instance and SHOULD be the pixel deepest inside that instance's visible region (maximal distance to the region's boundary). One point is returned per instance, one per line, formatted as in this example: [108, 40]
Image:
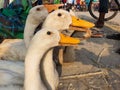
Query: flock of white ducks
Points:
[36, 77]
[61, 20]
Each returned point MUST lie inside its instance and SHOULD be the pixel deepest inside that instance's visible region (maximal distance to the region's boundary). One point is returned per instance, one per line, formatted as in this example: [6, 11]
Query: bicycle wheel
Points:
[93, 8]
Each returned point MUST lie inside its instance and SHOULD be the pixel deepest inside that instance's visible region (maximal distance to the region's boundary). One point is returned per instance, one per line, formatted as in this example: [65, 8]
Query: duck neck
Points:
[32, 72]
[49, 71]
[31, 25]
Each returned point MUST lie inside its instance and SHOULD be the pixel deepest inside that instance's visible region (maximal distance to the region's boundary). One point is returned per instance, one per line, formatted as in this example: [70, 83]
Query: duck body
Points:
[13, 50]
[11, 73]
[11, 87]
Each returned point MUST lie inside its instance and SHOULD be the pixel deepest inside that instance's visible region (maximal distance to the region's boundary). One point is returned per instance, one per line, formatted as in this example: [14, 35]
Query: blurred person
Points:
[87, 2]
[78, 4]
[103, 9]
[70, 3]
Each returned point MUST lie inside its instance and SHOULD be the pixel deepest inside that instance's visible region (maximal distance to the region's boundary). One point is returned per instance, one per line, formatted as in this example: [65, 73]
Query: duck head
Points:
[54, 37]
[62, 19]
[38, 13]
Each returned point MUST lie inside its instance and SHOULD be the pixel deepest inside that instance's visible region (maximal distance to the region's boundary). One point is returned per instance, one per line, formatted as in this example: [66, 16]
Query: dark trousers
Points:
[103, 6]
[39, 2]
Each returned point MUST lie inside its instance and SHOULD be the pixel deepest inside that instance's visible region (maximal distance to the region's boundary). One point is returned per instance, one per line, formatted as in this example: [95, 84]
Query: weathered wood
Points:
[61, 55]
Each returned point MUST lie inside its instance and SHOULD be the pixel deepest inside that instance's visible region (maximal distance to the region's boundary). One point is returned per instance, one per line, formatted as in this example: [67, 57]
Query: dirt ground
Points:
[93, 65]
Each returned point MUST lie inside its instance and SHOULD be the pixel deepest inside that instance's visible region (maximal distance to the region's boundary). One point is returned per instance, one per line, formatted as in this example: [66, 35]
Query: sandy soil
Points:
[93, 65]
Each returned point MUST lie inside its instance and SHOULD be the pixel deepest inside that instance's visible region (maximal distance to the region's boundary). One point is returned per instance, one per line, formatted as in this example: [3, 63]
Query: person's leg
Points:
[103, 9]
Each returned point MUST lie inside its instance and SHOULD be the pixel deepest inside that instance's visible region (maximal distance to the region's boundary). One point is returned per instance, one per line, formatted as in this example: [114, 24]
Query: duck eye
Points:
[49, 33]
[59, 14]
[38, 9]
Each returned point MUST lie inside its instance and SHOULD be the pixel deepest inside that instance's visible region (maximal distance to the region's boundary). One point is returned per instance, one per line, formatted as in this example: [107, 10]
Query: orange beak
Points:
[52, 7]
[68, 41]
[76, 22]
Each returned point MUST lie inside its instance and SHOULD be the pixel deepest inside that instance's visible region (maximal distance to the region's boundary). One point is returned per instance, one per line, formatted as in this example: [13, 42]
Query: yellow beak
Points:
[76, 22]
[52, 7]
[66, 40]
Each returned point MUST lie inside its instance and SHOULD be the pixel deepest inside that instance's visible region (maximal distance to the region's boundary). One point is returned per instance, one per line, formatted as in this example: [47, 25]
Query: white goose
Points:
[45, 78]
[15, 49]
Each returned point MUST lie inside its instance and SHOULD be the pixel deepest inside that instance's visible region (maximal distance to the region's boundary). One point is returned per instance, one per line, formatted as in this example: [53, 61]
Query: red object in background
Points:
[64, 1]
[78, 1]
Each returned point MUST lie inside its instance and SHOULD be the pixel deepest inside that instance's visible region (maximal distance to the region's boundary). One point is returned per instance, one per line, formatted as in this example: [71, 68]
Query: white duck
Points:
[45, 77]
[38, 55]
[15, 49]
[36, 16]
[61, 20]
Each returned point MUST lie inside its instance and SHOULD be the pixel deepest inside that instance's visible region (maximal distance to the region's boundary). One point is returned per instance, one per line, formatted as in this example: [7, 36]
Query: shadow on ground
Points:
[91, 56]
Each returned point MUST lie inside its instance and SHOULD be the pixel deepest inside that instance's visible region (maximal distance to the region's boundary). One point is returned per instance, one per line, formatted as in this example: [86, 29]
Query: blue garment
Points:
[12, 19]
[87, 2]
